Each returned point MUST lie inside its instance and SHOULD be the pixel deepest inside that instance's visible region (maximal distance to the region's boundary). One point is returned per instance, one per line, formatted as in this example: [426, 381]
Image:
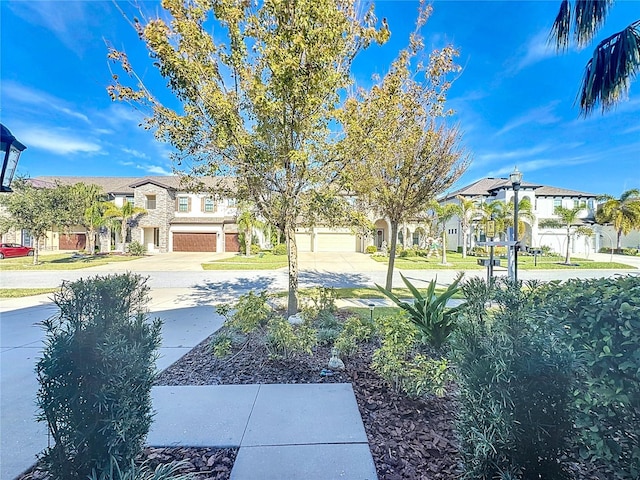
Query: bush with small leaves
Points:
[249, 312]
[354, 331]
[280, 249]
[319, 303]
[255, 249]
[95, 375]
[137, 249]
[371, 249]
[284, 339]
[221, 344]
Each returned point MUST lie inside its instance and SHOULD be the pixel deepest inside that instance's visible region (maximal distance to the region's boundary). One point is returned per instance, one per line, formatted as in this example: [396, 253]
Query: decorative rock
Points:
[334, 362]
[296, 319]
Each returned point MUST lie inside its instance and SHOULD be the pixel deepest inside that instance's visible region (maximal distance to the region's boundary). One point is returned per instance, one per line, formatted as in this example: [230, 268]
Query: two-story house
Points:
[543, 200]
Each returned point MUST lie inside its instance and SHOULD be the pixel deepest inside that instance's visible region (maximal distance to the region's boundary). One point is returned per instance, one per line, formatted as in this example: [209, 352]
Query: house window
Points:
[232, 202]
[128, 199]
[591, 204]
[583, 204]
[156, 237]
[150, 202]
[557, 202]
[210, 205]
[183, 204]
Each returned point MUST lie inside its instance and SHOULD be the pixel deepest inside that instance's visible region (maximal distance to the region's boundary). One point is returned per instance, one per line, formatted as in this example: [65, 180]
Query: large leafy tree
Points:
[398, 152]
[259, 104]
[567, 218]
[37, 209]
[123, 216]
[623, 213]
[615, 61]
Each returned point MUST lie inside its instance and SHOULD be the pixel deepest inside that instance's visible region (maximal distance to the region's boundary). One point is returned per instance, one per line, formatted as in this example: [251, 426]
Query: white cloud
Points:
[60, 142]
[136, 153]
[510, 154]
[535, 50]
[31, 96]
[156, 169]
[541, 116]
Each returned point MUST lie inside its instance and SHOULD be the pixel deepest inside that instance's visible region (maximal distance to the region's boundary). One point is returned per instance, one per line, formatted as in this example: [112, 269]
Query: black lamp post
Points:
[10, 149]
[516, 180]
[371, 307]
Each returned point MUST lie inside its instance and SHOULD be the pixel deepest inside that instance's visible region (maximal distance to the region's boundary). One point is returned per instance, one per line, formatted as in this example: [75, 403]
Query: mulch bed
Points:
[409, 439]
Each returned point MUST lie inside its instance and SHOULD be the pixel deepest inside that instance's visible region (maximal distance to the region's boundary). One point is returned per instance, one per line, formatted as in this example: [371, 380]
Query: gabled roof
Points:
[127, 185]
[486, 187]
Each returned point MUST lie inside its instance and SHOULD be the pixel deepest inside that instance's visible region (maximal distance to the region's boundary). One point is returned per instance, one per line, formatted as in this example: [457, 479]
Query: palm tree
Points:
[615, 61]
[568, 218]
[88, 200]
[247, 220]
[444, 213]
[467, 211]
[124, 215]
[623, 213]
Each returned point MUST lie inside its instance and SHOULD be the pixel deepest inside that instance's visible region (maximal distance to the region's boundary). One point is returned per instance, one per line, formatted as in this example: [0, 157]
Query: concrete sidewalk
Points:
[303, 431]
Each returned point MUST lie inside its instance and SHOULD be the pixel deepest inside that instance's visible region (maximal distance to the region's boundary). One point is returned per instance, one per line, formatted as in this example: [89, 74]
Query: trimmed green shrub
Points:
[408, 253]
[95, 375]
[137, 249]
[280, 249]
[371, 249]
[255, 249]
[429, 312]
[354, 331]
[515, 379]
[602, 319]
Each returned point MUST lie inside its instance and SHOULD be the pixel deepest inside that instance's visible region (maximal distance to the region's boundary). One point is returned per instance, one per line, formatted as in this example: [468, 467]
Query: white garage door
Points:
[303, 241]
[336, 242]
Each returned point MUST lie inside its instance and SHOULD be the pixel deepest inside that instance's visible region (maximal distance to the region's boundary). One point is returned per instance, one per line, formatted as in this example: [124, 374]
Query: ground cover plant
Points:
[63, 261]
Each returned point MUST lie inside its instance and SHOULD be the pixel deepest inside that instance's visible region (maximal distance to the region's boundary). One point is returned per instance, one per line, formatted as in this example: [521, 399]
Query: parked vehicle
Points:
[14, 250]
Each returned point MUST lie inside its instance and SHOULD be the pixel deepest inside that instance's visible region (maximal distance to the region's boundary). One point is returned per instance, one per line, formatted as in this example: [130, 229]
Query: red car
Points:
[14, 250]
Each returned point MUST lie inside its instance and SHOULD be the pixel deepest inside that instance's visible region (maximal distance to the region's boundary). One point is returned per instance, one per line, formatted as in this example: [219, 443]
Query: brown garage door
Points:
[72, 241]
[231, 242]
[194, 242]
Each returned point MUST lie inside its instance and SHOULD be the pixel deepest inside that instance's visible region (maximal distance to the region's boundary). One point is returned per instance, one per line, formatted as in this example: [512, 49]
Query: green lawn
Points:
[61, 261]
[266, 261]
[525, 262]
[24, 292]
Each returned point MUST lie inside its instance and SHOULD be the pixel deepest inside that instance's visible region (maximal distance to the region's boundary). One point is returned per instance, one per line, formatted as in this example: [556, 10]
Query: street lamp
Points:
[10, 149]
[516, 180]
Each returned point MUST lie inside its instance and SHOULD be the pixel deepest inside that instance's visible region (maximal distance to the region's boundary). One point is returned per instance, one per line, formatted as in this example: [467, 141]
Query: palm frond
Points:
[589, 15]
[561, 27]
[615, 61]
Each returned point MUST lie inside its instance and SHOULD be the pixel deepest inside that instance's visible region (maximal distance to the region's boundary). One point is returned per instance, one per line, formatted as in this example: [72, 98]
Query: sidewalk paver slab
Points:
[305, 414]
[308, 462]
[197, 416]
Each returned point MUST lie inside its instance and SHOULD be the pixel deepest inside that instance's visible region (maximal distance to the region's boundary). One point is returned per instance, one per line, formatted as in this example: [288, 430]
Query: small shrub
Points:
[327, 336]
[280, 249]
[354, 331]
[221, 345]
[166, 471]
[408, 253]
[95, 375]
[249, 312]
[320, 301]
[137, 249]
[401, 366]
[430, 312]
[371, 249]
[285, 340]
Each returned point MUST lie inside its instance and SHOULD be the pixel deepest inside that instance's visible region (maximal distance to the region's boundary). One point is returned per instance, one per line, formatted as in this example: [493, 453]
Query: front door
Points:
[379, 237]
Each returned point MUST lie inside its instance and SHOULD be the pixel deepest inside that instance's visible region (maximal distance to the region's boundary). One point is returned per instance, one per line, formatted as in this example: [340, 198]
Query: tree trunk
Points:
[392, 255]
[465, 237]
[567, 258]
[619, 242]
[444, 246]
[36, 250]
[292, 252]
[247, 241]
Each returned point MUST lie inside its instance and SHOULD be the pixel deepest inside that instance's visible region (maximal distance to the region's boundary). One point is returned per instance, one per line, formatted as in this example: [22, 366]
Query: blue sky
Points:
[514, 99]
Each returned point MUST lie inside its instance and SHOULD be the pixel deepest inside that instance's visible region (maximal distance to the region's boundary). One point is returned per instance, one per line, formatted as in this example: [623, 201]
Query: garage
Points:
[231, 242]
[303, 241]
[194, 242]
[72, 241]
[336, 242]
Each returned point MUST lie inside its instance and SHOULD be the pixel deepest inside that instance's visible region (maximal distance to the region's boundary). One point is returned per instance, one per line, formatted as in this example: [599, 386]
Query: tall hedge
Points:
[95, 375]
[602, 319]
